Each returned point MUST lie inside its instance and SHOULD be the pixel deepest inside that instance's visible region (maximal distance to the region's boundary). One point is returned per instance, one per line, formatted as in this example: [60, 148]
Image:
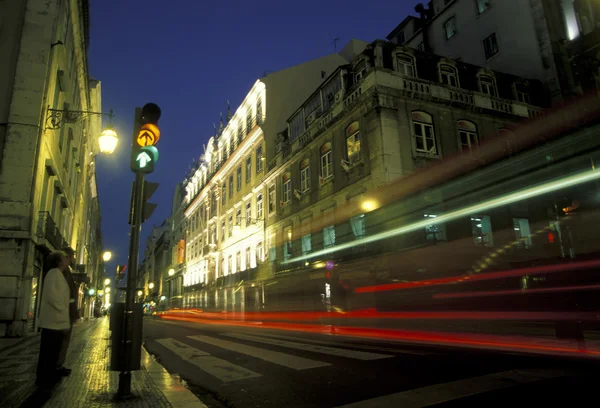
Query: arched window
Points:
[449, 75]
[305, 175]
[405, 64]
[326, 161]
[353, 144]
[424, 132]
[487, 84]
[467, 135]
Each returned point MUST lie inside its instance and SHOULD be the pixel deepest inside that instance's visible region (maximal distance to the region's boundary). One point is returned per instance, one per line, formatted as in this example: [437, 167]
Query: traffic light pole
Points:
[134, 244]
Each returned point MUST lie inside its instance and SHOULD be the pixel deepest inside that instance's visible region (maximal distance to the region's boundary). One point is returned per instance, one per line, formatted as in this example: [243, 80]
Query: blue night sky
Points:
[190, 57]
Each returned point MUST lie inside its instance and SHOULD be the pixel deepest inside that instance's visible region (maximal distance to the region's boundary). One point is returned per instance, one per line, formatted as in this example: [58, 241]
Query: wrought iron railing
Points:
[48, 230]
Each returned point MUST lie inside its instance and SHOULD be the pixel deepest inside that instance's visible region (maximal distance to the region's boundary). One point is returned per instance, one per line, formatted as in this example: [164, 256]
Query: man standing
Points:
[73, 312]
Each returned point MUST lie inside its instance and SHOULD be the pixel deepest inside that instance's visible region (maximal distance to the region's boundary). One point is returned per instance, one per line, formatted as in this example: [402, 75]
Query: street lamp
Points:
[151, 285]
[171, 272]
[106, 282]
[140, 293]
[108, 138]
[106, 256]
[107, 290]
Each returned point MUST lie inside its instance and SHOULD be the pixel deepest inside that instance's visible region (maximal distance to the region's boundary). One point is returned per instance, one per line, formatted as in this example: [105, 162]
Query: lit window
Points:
[353, 144]
[467, 133]
[357, 224]
[406, 64]
[424, 133]
[490, 46]
[248, 169]
[326, 161]
[259, 159]
[259, 252]
[287, 247]
[450, 27]
[248, 213]
[482, 230]
[522, 232]
[304, 175]
[271, 198]
[306, 244]
[259, 206]
[328, 236]
[449, 75]
[488, 85]
[287, 187]
[248, 258]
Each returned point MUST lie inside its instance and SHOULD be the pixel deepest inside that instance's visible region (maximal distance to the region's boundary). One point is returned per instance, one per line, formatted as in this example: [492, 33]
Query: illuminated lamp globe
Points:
[171, 272]
[108, 141]
[106, 282]
[106, 256]
[107, 290]
[140, 293]
[151, 285]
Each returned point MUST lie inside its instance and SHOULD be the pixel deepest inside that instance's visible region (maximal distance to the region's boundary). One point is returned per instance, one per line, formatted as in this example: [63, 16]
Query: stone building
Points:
[376, 120]
[48, 197]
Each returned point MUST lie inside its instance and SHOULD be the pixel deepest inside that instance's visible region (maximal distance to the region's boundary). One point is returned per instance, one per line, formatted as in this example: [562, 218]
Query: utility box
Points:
[122, 347]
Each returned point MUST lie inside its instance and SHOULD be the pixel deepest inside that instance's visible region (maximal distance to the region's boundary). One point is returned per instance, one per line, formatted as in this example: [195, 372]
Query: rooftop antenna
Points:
[334, 43]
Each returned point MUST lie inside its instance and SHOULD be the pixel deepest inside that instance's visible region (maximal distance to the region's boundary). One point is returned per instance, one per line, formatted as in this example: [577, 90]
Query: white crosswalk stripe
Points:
[440, 393]
[276, 357]
[222, 369]
[333, 351]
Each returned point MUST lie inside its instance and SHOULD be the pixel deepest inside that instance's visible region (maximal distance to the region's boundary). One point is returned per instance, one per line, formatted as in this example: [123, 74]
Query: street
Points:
[254, 367]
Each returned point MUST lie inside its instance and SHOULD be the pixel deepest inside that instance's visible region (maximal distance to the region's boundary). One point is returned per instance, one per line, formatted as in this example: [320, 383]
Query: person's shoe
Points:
[63, 371]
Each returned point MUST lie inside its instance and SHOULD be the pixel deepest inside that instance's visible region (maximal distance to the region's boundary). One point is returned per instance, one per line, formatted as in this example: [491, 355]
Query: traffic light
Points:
[121, 272]
[146, 133]
[147, 208]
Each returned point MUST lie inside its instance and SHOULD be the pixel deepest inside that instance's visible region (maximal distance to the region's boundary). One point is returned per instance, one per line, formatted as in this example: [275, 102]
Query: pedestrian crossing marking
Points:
[441, 393]
[222, 369]
[333, 351]
[275, 357]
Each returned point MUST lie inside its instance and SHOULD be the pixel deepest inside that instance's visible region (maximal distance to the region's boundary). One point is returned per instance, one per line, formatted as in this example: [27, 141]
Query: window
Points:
[230, 224]
[249, 121]
[248, 259]
[357, 224]
[488, 85]
[271, 198]
[240, 134]
[467, 134]
[230, 185]
[259, 112]
[287, 187]
[424, 133]
[287, 246]
[306, 244]
[272, 248]
[359, 71]
[259, 159]
[328, 236]
[230, 264]
[238, 217]
[326, 162]
[238, 261]
[224, 194]
[259, 207]
[304, 175]
[248, 213]
[223, 231]
[490, 46]
[522, 92]
[434, 232]
[482, 5]
[450, 27]
[522, 232]
[353, 142]
[448, 75]
[259, 252]
[239, 178]
[248, 169]
[405, 64]
[482, 230]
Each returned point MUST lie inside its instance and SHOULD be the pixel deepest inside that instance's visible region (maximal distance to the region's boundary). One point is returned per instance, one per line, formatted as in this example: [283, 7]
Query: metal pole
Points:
[134, 243]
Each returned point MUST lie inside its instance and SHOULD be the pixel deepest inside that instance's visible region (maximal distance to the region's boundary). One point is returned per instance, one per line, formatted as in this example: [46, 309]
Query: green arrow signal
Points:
[143, 158]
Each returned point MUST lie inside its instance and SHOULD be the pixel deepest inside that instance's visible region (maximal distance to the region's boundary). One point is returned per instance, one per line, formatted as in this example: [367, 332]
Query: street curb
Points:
[170, 386]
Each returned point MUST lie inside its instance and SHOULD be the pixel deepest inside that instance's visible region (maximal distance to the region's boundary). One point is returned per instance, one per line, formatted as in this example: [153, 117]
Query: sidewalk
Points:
[90, 384]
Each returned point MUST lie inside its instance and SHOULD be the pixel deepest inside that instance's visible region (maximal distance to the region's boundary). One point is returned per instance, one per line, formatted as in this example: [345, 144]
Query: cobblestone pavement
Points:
[90, 384]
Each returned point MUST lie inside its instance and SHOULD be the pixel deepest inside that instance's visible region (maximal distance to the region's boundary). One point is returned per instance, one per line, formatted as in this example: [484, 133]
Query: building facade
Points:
[536, 43]
[390, 112]
[173, 279]
[225, 201]
[47, 177]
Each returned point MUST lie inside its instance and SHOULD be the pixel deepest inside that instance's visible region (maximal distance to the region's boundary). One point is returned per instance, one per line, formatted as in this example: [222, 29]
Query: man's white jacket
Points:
[54, 307]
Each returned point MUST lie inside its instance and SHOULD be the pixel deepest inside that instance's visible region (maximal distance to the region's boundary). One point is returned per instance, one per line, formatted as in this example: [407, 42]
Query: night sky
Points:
[190, 57]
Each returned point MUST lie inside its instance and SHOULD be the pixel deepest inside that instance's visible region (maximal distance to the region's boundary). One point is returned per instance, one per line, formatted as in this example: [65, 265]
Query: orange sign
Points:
[148, 135]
